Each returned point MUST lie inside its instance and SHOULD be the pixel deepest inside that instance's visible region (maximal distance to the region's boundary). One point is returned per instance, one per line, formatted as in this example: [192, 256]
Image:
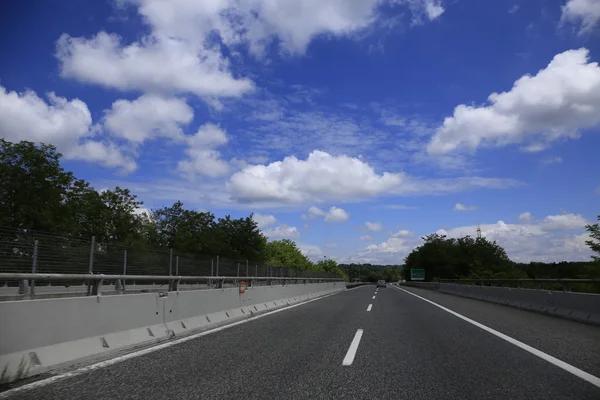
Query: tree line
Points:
[478, 258]
[37, 194]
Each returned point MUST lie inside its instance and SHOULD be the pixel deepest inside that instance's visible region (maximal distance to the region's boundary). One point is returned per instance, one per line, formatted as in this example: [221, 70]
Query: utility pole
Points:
[478, 232]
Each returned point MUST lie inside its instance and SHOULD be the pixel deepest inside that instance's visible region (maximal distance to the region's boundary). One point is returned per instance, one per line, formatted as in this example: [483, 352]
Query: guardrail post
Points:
[217, 274]
[97, 287]
[91, 267]
[34, 267]
[23, 287]
[565, 286]
[170, 262]
[124, 269]
[255, 269]
[176, 284]
[246, 268]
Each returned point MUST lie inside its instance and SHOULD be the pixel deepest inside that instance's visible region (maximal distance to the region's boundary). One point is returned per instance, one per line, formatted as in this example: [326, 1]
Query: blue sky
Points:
[352, 127]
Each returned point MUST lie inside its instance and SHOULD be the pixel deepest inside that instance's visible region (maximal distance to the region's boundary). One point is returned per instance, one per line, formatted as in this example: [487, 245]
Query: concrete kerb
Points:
[582, 307]
[33, 355]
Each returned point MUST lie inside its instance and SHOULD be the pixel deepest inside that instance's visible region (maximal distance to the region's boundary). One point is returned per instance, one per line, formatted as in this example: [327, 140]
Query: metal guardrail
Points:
[566, 285]
[96, 281]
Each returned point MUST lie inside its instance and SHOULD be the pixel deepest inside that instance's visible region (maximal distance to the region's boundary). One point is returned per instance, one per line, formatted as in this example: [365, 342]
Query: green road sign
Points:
[417, 274]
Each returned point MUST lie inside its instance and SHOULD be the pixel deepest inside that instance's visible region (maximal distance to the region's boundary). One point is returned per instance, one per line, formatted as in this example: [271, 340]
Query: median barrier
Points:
[583, 307]
[41, 335]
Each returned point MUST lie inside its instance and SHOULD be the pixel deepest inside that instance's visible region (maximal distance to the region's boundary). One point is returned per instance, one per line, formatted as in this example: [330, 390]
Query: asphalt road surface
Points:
[351, 345]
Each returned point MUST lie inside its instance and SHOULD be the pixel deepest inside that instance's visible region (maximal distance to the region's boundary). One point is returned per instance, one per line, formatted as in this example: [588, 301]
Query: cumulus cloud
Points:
[149, 116]
[321, 176]
[366, 238]
[334, 214]
[202, 157]
[525, 217]
[402, 233]
[67, 124]
[256, 23]
[563, 222]
[155, 64]
[584, 12]
[264, 220]
[558, 102]
[374, 226]
[462, 207]
[282, 231]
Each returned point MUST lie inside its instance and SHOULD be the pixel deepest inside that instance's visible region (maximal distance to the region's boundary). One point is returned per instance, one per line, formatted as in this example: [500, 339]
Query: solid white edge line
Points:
[594, 380]
[349, 359]
[44, 382]
[369, 308]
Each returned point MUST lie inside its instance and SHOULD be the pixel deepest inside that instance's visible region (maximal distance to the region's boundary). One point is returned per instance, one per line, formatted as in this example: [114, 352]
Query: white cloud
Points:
[282, 232]
[402, 233]
[321, 176]
[558, 102]
[366, 238]
[155, 64]
[149, 116]
[334, 214]
[586, 12]
[525, 217]
[462, 207]
[514, 9]
[374, 226]
[67, 124]
[264, 220]
[257, 22]
[563, 222]
[202, 158]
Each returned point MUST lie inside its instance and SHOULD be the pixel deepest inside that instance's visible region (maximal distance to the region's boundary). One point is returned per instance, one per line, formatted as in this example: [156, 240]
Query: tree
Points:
[286, 253]
[466, 257]
[594, 242]
[34, 187]
[593, 270]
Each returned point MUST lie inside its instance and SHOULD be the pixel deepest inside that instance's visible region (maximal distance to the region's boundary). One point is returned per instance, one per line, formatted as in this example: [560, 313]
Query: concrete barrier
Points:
[39, 335]
[584, 307]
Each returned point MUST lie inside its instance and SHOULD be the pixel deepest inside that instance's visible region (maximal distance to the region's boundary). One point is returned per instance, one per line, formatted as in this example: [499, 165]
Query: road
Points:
[409, 349]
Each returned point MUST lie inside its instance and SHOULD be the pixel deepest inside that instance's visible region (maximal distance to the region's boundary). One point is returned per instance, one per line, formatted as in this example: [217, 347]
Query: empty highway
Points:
[362, 343]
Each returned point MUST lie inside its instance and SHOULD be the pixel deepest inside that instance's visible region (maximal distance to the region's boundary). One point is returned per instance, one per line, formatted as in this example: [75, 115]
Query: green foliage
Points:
[372, 273]
[34, 187]
[285, 252]
[467, 257]
[329, 265]
[593, 270]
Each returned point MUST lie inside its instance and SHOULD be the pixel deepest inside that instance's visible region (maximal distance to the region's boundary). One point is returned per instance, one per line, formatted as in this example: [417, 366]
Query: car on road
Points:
[381, 283]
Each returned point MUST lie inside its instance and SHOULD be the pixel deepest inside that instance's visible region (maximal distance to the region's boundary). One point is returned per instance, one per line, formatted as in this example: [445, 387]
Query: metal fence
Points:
[26, 251]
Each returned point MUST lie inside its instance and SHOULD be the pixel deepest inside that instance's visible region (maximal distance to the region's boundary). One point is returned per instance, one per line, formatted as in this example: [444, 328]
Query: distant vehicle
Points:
[381, 283]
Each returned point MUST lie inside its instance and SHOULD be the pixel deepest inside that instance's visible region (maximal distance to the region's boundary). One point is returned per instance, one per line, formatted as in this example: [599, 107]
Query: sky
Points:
[353, 127]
